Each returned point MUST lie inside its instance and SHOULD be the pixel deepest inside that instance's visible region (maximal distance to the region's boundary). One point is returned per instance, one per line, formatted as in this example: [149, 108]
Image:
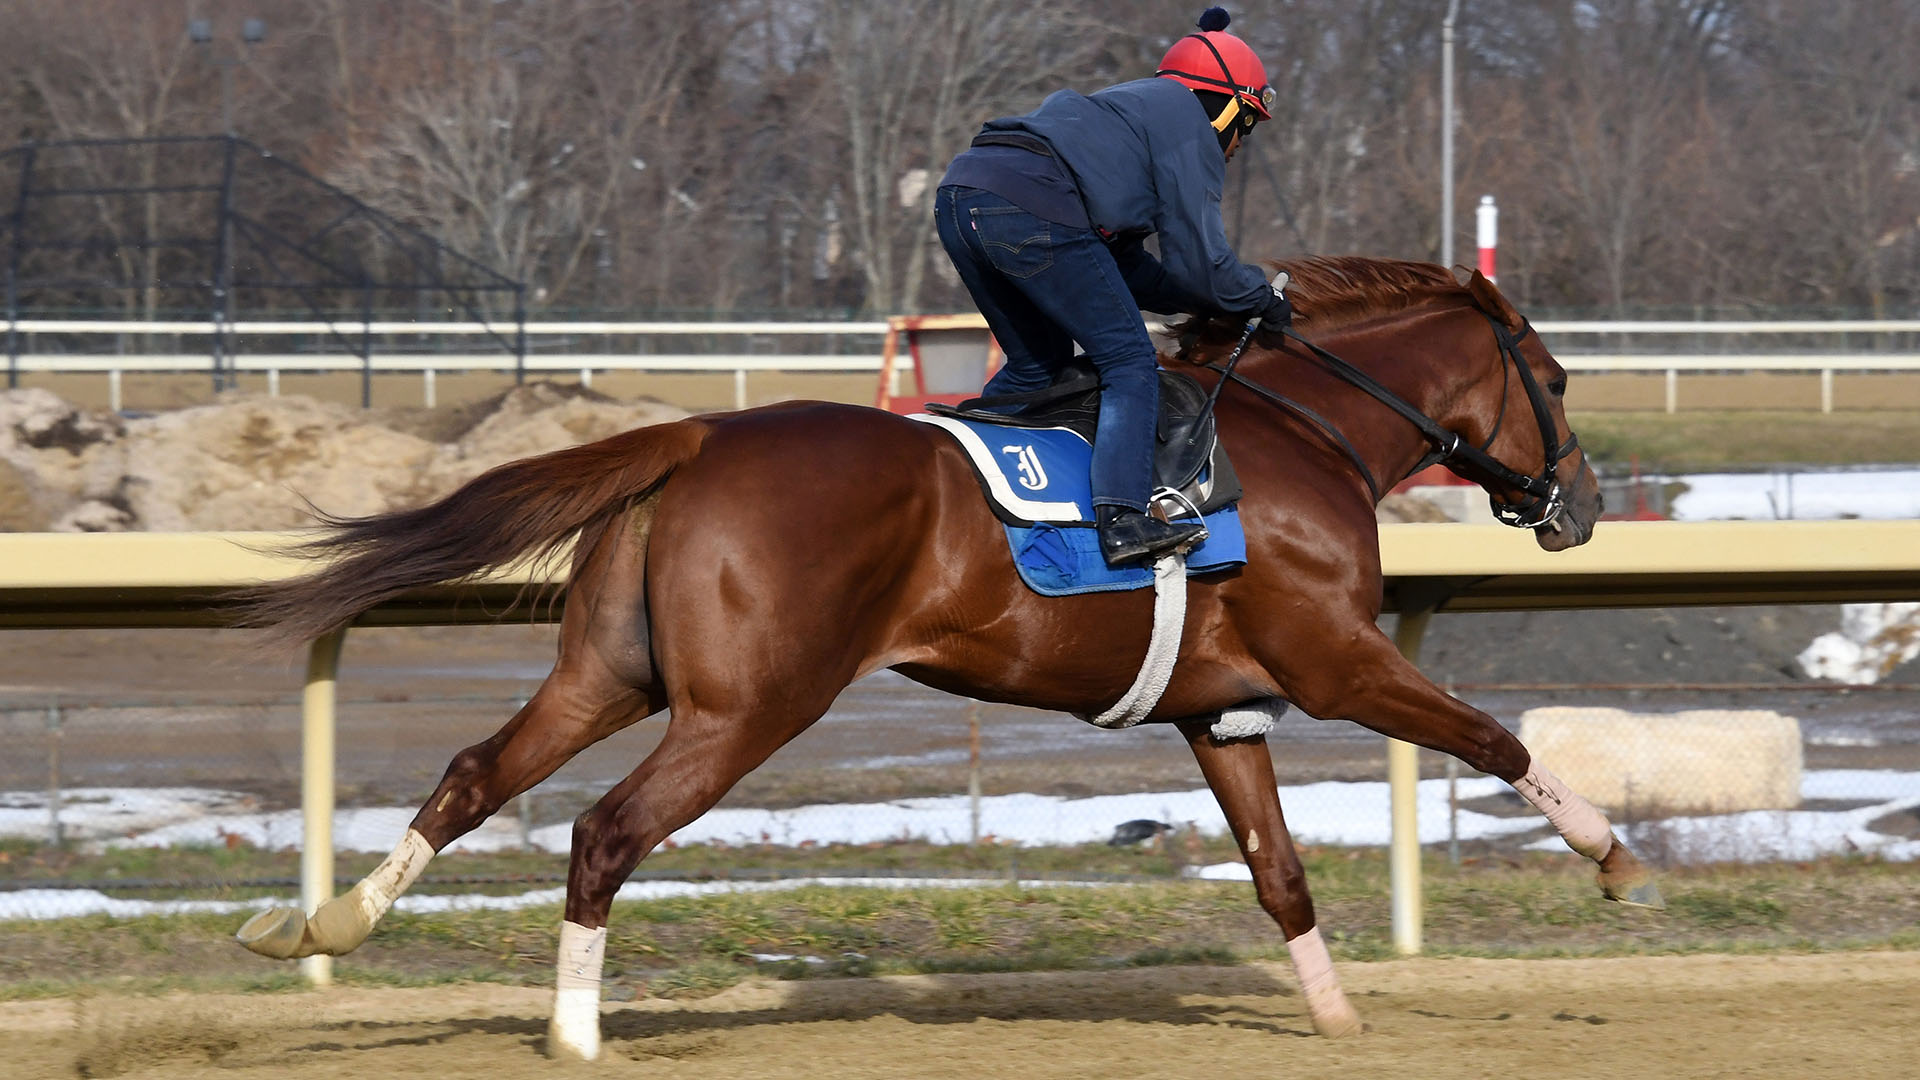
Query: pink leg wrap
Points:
[1583, 828]
[1326, 1002]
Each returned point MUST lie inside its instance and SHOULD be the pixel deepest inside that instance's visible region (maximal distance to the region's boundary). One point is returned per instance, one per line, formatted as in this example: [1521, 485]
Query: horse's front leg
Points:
[1371, 684]
[1241, 776]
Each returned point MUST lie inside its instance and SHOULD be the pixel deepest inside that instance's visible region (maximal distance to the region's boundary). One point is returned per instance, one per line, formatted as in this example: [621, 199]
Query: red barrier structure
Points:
[953, 356]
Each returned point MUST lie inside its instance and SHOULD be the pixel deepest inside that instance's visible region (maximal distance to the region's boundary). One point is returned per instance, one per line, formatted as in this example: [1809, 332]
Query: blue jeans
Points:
[1043, 286]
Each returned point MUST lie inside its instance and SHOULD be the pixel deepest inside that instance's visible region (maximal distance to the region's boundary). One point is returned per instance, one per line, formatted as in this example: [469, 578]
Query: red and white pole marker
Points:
[1487, 222]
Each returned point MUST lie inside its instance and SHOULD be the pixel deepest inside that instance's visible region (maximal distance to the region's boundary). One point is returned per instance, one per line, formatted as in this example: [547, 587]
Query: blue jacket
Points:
[1147, 161]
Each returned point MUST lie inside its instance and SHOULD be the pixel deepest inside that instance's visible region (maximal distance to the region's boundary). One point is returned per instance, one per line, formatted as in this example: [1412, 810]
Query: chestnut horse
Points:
[740, 569]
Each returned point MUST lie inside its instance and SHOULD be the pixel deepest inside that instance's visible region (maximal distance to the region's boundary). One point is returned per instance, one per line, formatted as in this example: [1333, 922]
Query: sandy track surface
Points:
[1837, 1014]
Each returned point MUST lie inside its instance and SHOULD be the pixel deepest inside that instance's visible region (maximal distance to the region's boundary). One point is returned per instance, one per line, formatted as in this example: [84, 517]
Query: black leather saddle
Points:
[1188, 456]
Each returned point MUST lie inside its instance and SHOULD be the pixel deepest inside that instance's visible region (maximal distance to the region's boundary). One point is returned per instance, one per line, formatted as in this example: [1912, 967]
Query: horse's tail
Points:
[523, 509]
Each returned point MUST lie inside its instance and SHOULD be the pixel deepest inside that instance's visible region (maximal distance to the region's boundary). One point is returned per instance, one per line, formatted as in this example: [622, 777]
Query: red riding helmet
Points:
[1220, 62]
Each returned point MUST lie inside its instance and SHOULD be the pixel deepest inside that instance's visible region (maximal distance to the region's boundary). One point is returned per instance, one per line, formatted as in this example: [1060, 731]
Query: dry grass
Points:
[1707, 440]
[1537, 905]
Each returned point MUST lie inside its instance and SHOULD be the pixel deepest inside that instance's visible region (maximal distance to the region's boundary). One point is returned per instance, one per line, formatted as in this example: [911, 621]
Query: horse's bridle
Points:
[1541, 500]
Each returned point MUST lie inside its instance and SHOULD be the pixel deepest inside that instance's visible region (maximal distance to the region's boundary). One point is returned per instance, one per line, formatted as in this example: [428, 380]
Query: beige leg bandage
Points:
[1326, 1002]
[574, 1030]
[1584, 828]
[342, 923]
[395, 875]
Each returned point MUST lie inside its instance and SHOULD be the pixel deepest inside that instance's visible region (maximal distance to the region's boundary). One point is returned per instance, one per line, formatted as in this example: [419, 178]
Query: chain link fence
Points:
[126, 800]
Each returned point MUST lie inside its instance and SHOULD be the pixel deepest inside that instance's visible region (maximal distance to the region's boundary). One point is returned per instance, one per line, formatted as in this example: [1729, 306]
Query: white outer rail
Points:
[429, 364]
[537, 329]
[505, 330]
[587, 362]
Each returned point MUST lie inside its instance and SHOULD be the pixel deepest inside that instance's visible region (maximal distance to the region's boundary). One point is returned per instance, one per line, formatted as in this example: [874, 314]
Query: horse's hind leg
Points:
[702, 756]
[551, 728]
[1241, 776]
[595, 689]
[1376, 687]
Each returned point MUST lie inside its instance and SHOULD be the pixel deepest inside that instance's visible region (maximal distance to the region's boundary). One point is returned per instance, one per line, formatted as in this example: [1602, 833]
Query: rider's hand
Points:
[1278, 315]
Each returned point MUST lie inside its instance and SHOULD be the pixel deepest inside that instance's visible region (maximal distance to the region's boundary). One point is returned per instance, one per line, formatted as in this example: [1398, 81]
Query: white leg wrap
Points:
[575, 1028]
[394, 876]
[1326, 1002]
[1584, 828]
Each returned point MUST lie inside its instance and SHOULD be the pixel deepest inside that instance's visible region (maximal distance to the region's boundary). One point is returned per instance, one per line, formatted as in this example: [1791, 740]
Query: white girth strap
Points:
[1163, 648]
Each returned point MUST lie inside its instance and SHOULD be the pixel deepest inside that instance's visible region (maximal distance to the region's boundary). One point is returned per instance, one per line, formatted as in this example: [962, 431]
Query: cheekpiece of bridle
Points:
[1540, 500]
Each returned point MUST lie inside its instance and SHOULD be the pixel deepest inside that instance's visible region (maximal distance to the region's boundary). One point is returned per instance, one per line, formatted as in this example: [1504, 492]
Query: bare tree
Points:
[783, 153]
[1846, 111]
[1617, 94]
[530, 126]
[114, 69]
[915, 79]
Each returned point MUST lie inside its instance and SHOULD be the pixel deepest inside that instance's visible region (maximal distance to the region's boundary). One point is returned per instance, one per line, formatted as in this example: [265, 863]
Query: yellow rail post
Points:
[316, 788]
[1403, 781]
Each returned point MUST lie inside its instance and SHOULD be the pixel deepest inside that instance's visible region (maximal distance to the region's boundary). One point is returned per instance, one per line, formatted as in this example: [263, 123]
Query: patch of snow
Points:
[1325, 813]
[73, 903]
[1807, 496]
[93, 813]
[1873, 639]
[1330, 813]
[1226, 871]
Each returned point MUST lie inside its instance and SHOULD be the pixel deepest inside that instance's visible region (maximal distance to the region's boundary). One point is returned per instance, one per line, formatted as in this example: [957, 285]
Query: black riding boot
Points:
[1129, 536]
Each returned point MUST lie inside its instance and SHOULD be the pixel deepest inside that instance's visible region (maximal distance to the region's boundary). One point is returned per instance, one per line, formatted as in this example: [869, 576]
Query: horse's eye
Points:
[1558, 387]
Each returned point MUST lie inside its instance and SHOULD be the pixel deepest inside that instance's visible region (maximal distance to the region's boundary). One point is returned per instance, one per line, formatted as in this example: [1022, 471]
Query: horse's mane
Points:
[1332, 291]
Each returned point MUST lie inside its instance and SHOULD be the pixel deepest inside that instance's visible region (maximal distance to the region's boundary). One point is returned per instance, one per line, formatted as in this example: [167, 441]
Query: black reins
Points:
[1542, 500]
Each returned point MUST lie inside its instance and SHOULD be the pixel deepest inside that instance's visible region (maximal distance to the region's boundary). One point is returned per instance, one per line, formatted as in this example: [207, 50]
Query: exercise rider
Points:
[1046, 215]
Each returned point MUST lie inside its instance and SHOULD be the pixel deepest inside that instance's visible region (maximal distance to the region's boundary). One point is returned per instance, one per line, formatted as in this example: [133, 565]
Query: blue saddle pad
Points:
[1038, 479]
[1056, 561]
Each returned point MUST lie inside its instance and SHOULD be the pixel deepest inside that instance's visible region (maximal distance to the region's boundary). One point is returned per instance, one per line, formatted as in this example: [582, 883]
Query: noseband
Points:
[1540, 501]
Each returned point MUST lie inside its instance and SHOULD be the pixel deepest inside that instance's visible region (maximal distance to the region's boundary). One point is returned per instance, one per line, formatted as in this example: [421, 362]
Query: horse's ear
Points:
[1487, 295]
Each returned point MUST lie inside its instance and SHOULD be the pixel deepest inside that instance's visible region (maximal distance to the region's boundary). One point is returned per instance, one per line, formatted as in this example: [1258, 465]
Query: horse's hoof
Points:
[1339, 1026]
[341, 924]
[278, 933]
[1639, 894]
[573, 1032]
[559, 1049]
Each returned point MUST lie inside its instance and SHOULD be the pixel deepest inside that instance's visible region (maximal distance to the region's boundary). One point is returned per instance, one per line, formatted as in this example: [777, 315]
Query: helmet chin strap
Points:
[1225, 119]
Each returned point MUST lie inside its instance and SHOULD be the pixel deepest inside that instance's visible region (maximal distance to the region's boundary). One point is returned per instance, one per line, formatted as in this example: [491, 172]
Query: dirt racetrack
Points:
[1833, 1014]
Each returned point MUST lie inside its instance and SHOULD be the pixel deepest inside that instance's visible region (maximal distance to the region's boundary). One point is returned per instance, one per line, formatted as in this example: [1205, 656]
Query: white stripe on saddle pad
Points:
[988, 464]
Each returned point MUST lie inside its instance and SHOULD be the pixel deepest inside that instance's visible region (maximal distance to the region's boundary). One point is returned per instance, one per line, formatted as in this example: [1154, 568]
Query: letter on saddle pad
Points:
[1034, 468]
